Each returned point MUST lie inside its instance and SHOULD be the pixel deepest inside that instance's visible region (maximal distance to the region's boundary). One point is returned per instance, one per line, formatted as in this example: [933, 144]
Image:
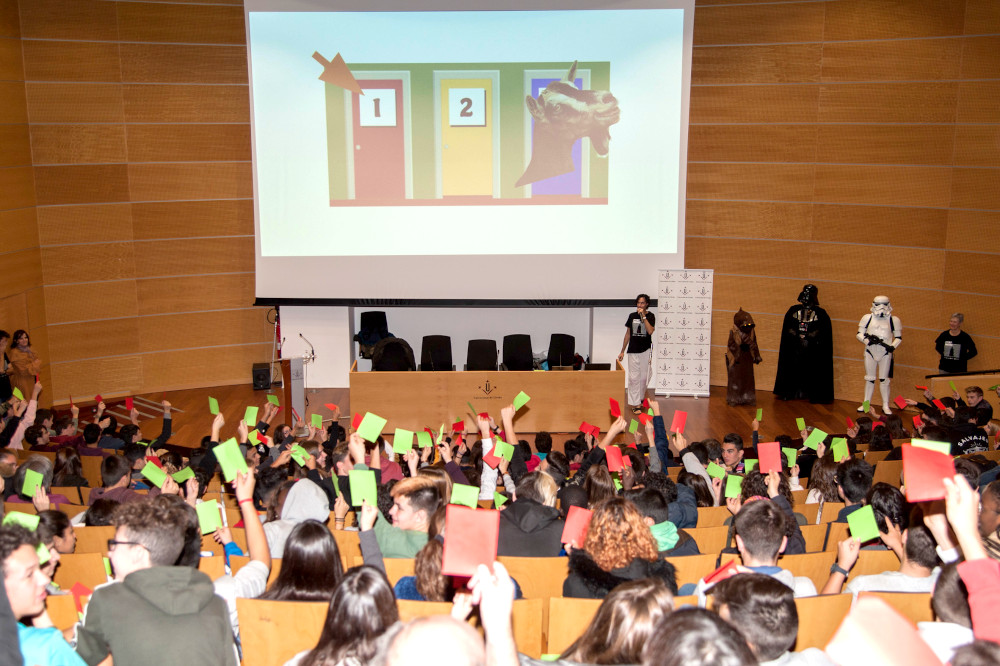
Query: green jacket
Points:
[398, 543]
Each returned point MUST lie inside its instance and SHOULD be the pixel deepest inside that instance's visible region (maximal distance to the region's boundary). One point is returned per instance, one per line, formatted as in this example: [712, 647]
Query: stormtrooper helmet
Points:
[881, 307]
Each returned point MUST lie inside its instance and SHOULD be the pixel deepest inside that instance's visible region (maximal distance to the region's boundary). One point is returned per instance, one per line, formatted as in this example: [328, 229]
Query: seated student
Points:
[8, 466]
[989, 519]
[116, 477]
[414, 502]
[854, 480]
[982, 410]
[618, 548]
[575, 451]
[344, 458]
[763, 610]
[760, 538]
[65, 428]
[598, 485]
[100, 513]
[43, 466]
[135, 454]
[682, 505]
[530, 526]
[36, 438]
[776, 488]
[965, 436]
[44, 419]
[295, 501]
[68, 470]
[732, 453]
[109, 430]
[88, 447]
[543, 445]
[696, 637]
[311, 567]
[54, 528]
[24, 584]
[891, 512]
[391, 470]
[670, 541]
[953, 628]
[154, 598]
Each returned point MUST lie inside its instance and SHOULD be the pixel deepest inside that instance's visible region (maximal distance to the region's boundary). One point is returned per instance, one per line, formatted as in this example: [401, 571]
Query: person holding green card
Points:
[24, 363]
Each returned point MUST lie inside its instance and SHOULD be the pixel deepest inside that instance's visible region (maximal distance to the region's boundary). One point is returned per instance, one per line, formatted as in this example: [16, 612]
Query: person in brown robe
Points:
[24, 364]
[741, 355]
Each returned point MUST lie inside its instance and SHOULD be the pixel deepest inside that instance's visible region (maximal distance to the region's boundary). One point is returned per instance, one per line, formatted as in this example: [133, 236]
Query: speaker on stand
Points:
[261, 376]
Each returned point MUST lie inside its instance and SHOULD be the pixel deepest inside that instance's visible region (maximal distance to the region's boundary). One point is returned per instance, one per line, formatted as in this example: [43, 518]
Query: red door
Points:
[379, 171]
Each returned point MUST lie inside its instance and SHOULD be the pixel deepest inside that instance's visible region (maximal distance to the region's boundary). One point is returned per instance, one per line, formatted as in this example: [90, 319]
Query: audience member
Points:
[854, 480]
[696, 637]
[530, 526]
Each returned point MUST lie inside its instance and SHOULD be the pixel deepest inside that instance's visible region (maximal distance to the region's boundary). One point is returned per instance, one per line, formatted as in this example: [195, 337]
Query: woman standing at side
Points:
[24, 363]
[955, 346]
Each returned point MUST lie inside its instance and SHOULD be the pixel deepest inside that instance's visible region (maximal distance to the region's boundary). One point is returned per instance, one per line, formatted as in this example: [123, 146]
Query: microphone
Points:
[312, 350]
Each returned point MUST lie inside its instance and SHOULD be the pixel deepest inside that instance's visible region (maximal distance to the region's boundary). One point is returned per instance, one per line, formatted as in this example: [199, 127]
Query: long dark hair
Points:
[68, 464]
[310, 567]
[702, 493]
[363, 607]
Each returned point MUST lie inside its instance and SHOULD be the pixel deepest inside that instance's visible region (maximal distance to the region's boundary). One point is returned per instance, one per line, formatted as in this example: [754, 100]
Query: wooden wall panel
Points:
[154, 22]
[973, 272]
[894, 19]
[885, 144]
[66, 225]
[60, 185]
[15, 146]
[167, 182]
[11, 65]
[771, 182]
[968, 229]
[888, 103]
[778, 63]
[776, 220]
[113, 375]
[198, 256]
[880, 225]
[10, 24]
[14, 110]
[187, 294]
[71, 61]
[742, 257]
[78, 144]
[17, 188]
[186, 103]
[758, 24]
[915, 306]
[904, 60]
[202, 367]
[204, 329]
[14, 312]
[753, 143]
[70, 303]
[36, 307]
[754, 104]
[979, 57]
[79, 263]
[21, 271]
[903, 266]
[91, 20]
[181, 219]
[188, 143]
[760, 295]
[94, 339]
[982, 17]
[978, 102]
[74, 102]
[20, 231]
[879, 185]
[975, 188]
[977, 145]
[183, 63]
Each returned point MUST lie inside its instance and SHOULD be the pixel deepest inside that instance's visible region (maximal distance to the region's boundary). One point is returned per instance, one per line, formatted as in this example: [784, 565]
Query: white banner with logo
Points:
[681, 351]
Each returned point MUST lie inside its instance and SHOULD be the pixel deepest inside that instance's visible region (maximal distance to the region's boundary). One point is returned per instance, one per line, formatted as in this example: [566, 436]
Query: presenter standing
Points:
[638, 344]
[24, 364]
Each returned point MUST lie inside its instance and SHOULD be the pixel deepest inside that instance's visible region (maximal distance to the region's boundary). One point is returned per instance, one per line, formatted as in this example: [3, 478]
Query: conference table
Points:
[560, 400]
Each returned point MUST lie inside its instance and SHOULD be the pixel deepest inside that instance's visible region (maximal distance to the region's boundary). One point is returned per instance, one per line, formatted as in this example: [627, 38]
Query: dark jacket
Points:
[685, 545]
[586, 580]
[684, 511]
[530, 529]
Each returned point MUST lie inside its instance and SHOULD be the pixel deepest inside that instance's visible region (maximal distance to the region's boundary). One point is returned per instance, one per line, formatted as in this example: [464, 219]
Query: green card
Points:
[814, 439]
[182, 475]
[424, 439]
[941, 447]
[839, 448]
[299, 455]
[18, 394]
[618, 482]
[28, 521]
[953, 387]
[550, 657]
[155, 475]
[465, 495]
[862, 524]
[520, 400]
[994, 387]
[107, 567]
[317, 421]
[250, 417]
[472, 410]
[440, 437]
[402, 441]
[362, 483]
[866, 406]
[213, 406]
[800, 424]
[633, 426]
[230, 458]
[503, 450]
[749, 464]
[734, 485]
[760, 415]
[791, 454]
[716, 471]
[43, 554]
[208, 516]
[273, 399]
[32, 480]
[498, 500]
[371, 427]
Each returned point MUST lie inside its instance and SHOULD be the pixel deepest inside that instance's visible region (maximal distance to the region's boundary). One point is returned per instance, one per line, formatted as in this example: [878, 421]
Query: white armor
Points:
[880, 333]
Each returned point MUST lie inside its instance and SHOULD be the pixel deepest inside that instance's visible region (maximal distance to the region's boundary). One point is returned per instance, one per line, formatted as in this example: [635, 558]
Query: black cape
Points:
[805, 366]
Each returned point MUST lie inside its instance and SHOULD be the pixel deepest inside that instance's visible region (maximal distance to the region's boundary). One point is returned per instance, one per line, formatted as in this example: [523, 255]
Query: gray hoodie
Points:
[305, 501]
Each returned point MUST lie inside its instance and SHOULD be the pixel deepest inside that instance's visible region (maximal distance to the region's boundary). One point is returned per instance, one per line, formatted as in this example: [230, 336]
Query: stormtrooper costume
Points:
[880, 333]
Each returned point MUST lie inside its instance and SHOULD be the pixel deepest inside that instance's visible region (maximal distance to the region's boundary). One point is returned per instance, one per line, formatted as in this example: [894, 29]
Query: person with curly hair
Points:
[618, 548]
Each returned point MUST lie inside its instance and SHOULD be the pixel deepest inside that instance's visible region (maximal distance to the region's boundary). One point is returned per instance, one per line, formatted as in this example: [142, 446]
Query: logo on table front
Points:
[487, 388]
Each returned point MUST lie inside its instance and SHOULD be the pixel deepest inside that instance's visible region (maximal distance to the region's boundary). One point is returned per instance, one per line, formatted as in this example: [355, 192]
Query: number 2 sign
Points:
[467, 107]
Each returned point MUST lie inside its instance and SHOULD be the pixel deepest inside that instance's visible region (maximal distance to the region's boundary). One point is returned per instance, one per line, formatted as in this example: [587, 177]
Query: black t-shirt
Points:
[640, 340]
[967, 438]
[955, 350]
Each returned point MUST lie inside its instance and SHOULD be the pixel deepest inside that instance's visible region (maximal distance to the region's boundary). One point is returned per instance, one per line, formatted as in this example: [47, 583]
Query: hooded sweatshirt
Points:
[305, 501]
[130, 619]
[530, 529]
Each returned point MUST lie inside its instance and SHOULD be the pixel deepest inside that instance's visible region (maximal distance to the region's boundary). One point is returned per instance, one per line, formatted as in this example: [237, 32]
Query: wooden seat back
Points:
[709, 539]
[86, 568]
[272, 632]
[819, 618]
[915, 606]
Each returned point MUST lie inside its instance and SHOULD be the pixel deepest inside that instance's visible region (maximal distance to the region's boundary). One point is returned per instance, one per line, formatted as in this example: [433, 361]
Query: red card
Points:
[79, 590]
[645, 403]
[485, 415]
[614, 455]
[492, 459]
[129, 404]
[71, 402]
[428, 431]
[356, 421]
[458, 426]
[595, 431]
[924, 472]
[769, 457]
[900, 402]
[627, 460]
[575, 529]
[850, 423]
[98, 399]
[645, 418]
[876, 424]
[630, 446]
[680, 420]
[329, 405]
[616, 409]
[725, 571]
[296, 415]
[921, 388]
[471, 540]
[257, 436]
[937, 403]
[585, 427]
[917, 422]
[875, 633]
[155, 460]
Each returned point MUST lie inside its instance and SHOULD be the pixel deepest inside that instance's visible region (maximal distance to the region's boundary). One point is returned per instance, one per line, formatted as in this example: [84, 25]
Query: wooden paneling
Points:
[15, 146]
[754, 104]
[71, 61]
[14, 108]
[55, 185]
[975, 188]
[22, 271]
[62, 225]
[885, 144]
[116, 374]
[978, 102]
[204, 329]
[757, 295]
[759, 24]
[188, 143]
[92, 20]
[78, 144]
[16, 188]
[893, 19]
[85, 263]
[977, 145]
[903, 266]
[198, 256]
[965, 271]
[203, 367]
[35, 299]
[19, 230]
[74, 102]
[780, 63]
[968, 228]
[11, 67]
[180, 219]
[900, 60]
[979, 57]
[907, 186]
[186, 294]
[9, 21]
[880, 225]
[183, 63]
[888, 103]
[81, 302]
[187, 104]
[154, 22]
[749, 219]
[166, 182]
[746, 257]
[752, 143]
[778, 182]
[14, 312]
[94, 339]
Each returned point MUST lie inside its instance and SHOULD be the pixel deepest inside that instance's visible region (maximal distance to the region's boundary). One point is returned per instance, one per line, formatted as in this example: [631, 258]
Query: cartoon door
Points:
[466, 137]
[567, 183]
[379, 154]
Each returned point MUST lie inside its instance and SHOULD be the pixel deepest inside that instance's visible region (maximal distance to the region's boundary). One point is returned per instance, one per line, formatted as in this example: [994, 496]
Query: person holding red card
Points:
[638, 344]
[618, 548]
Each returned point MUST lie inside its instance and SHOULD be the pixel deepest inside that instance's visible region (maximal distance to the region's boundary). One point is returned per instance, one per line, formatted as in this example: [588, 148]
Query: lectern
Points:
[293, 387]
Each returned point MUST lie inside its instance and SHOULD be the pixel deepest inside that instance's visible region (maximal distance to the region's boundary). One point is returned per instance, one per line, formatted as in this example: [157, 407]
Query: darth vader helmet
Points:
[809, 295]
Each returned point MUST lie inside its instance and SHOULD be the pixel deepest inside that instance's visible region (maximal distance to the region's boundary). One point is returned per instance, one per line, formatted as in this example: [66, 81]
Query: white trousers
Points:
[637, 375]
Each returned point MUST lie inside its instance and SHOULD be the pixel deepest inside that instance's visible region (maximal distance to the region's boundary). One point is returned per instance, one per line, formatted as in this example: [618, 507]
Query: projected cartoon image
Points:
[563, 114]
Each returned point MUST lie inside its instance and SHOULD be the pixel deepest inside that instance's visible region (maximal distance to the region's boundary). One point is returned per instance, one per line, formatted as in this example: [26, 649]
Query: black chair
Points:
[393, 355]
[562, 350]
[517, 352]
[435, 353]
[374, 328]
[482, 355]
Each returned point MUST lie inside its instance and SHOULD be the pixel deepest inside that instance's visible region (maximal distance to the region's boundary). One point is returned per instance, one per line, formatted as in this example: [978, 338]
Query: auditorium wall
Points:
[852, 144]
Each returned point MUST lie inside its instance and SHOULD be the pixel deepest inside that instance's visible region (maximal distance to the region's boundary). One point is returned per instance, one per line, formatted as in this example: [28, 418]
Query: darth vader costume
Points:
[805, 357]
[741, 355]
